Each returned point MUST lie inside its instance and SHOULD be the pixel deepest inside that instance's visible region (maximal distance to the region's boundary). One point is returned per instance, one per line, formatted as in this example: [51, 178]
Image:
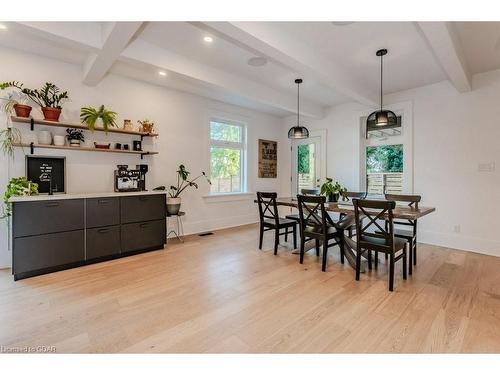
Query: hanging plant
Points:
[89, 117]
[8, 139]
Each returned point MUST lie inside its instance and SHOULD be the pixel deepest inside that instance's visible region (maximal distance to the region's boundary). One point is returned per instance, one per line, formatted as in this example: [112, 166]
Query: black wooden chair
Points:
[351, 195]
[408, 235]
[316, 224]
[303, 192]
[270, 220]
[380, 241]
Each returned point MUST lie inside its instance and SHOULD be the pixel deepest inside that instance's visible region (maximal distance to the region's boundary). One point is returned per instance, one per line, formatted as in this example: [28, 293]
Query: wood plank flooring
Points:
[221, 294]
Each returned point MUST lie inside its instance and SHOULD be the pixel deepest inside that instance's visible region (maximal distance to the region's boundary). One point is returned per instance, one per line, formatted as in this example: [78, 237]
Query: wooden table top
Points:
[400, 212]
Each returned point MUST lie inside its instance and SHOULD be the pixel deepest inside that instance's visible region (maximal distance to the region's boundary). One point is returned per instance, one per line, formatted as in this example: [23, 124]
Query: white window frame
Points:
[242, 146]
[405, 110]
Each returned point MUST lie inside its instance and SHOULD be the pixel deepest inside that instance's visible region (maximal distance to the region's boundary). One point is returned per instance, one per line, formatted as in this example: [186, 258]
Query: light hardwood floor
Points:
[221, 294]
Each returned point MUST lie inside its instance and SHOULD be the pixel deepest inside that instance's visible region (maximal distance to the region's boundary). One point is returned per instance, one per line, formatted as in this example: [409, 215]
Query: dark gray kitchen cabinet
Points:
[102, 212]
[51, 235]
[48, 250]
[50, 216]
[102, 242]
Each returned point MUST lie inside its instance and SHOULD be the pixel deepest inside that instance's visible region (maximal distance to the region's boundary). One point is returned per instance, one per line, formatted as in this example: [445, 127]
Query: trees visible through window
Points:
[384, 169]
[227, 157]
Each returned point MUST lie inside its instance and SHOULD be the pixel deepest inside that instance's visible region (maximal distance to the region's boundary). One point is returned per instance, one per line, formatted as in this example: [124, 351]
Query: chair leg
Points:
[342, 250]
[358, 263]
[302, 245]
[286, 234]
[369, 259]
[261, 235]
[295, 236]
[391, 272]
[276, 240]
[325, 254]
[410, 263]
[404, 263]
[386, 256]
[415, 253]
[317, 247]
[376, 259]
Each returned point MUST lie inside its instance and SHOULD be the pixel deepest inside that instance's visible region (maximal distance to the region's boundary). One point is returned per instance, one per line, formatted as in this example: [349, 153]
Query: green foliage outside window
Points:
[303, 159]
[383, 159]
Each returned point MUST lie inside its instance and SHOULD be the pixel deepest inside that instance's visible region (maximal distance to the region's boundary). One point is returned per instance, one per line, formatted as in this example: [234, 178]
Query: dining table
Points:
[402, 212]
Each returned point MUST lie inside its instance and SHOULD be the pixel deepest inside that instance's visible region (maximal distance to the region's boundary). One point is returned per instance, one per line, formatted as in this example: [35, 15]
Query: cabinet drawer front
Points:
[102, 212]
[33, 218]
[141, 236]
[102, 242]
[48, 250]
[142, 208]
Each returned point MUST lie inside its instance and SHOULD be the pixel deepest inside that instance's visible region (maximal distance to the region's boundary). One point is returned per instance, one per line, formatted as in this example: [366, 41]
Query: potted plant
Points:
[332, 190]
[16, 102]
[89, 117]
[75, 137]
[17, 186]
[8, 138]
[174, 200]
[146, 126]
[49, 98]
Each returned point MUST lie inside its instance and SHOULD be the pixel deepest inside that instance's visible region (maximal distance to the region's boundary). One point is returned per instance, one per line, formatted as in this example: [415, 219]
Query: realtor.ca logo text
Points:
[28, 349]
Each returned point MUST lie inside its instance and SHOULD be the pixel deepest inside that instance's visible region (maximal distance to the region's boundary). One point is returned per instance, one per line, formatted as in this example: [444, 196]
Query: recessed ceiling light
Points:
[162, 73]
[208, 39]
[3, 27]
[257, 61]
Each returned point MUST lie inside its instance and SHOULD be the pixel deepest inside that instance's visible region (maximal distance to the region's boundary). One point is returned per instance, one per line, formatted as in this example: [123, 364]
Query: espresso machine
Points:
[143, 168]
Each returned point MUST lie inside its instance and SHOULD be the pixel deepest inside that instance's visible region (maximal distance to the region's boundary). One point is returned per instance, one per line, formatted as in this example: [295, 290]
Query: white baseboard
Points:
[216, 224]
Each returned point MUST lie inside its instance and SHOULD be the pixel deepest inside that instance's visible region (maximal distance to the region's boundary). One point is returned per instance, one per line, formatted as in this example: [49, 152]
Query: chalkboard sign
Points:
[43, 169]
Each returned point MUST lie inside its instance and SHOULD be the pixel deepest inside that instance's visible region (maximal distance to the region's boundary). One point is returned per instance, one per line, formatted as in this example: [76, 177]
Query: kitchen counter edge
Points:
[46, 197]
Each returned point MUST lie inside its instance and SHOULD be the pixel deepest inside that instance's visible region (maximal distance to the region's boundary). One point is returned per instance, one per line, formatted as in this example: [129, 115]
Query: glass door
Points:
[306, 171]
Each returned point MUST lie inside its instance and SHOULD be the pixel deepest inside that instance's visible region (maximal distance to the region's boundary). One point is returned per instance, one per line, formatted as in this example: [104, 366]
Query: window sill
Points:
[228, 197]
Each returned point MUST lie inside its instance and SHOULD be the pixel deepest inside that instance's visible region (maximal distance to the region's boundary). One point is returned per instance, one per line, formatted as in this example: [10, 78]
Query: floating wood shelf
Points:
[92, 149]
[30, 120]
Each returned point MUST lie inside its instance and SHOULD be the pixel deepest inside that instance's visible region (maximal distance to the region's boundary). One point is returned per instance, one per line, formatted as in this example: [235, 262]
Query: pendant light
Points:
[298, 131]
[381, 117]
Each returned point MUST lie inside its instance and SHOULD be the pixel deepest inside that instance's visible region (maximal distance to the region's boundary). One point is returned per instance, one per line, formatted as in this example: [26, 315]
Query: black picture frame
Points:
[40, 168]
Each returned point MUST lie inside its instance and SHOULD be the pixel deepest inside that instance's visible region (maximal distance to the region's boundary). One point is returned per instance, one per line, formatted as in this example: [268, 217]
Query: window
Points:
[227, 157]
[384, 169]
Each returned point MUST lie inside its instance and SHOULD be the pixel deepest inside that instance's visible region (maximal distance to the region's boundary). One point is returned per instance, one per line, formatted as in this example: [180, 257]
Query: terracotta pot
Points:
[22, 110]
[51, 114]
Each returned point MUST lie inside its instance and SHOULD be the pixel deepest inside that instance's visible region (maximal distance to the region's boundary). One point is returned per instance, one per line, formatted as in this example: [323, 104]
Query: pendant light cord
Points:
[298, 104]
[381, 81]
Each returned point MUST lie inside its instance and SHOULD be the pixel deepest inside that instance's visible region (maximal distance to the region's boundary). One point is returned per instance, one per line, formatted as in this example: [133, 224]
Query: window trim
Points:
[231, 145]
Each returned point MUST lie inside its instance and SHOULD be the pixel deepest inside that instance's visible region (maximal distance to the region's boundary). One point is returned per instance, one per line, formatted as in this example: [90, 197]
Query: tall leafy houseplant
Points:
[17, 186]
[89, 117]
[183, 182]
[49, 97]
[332, 190]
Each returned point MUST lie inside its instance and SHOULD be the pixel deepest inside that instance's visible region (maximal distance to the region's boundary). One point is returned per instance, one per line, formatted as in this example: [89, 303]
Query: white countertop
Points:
[46, 197]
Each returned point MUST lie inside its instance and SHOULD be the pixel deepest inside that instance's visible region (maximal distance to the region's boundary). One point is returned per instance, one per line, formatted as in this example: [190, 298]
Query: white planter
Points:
[59, 140]
[173, 205]
[74, 143]
[44, 137]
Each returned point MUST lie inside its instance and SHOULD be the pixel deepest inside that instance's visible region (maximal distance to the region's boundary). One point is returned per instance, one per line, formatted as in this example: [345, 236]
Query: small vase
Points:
[127, 125]
[51, 114]
[44, 137]
[173, 206]
[22, 110]
[59, 140]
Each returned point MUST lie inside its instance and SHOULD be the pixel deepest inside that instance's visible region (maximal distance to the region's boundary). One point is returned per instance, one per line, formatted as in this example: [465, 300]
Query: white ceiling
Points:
[338, 63]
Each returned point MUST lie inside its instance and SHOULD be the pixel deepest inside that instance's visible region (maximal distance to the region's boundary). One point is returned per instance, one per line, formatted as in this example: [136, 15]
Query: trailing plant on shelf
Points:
[9, 137]
[49, 97]
[15, 101]
[75, 137]
[183, 182]
[89, 117]
[332, 190]
[17, 187]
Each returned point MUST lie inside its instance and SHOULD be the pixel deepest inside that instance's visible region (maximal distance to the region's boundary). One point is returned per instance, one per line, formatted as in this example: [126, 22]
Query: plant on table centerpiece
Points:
[49, 97]
[183, 182]
[89, 117]
[75, 137]
[17, 187]
[332, 190]
[15, 101]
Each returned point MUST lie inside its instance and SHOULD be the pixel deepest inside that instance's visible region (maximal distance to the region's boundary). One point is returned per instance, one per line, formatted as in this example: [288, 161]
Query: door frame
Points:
[321, 135]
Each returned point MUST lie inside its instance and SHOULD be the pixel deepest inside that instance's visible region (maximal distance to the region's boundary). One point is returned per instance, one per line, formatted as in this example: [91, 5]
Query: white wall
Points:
[453, 134]
[181, 120]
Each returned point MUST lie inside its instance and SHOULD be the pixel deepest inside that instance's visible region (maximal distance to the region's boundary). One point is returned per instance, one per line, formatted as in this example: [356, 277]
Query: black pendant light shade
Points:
[381, 117]
[298, 131]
